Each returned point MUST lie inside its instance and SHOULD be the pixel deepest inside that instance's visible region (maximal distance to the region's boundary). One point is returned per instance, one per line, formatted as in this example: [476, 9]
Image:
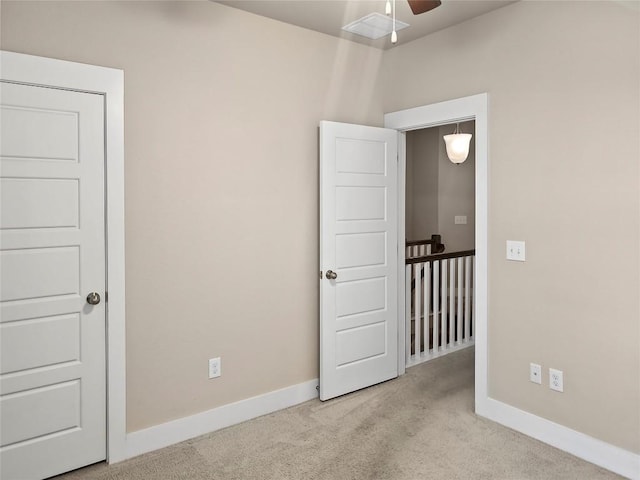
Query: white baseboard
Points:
[596, 451]
[422, 358]
[176, 431]
[592, 450]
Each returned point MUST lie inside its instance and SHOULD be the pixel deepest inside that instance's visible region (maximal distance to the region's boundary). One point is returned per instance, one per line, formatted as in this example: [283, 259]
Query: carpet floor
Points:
[419, 426]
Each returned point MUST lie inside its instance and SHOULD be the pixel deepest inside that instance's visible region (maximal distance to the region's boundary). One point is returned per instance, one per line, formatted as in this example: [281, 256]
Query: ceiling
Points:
[329, 16]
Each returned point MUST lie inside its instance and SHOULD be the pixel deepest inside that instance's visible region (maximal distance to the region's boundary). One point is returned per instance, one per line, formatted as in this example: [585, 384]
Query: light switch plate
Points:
[460, 220]
[515, 250]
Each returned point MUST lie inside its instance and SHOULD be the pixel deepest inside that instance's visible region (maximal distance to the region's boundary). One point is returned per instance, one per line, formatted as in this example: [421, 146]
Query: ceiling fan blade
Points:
[421, 6]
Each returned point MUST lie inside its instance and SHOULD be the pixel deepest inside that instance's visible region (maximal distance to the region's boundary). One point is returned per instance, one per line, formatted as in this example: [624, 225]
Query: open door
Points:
[358, 257]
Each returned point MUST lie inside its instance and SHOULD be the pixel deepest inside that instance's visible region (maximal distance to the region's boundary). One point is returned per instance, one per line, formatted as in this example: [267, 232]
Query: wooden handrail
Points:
[434, 240]
[439, 256]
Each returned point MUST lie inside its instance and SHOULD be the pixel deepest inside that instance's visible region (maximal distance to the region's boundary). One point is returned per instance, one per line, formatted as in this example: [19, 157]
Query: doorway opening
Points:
[463, 109]
[440, 245]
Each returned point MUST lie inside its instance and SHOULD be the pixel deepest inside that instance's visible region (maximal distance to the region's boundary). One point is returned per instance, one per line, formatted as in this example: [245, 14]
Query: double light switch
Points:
[515, 250]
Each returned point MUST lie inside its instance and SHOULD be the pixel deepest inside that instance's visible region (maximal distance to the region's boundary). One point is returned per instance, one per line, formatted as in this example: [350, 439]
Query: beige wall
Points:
[221, 118]
[438, 190]
[456, 193]
[564, 120]
[421, 212]
[222, 110]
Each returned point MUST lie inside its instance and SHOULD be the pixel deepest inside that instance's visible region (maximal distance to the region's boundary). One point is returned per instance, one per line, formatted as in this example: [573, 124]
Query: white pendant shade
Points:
[457, 146]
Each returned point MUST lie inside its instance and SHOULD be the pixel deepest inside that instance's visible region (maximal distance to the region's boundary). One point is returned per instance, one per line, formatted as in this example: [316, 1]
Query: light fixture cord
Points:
[394, 35]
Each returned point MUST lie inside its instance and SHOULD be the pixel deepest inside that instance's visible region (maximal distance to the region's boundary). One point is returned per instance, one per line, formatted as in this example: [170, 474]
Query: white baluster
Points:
[443, 301]
[417, 292]
[436, 305]
[427, 305]
[459, 298]
[467, 299]
[407, 314]
[452, 299]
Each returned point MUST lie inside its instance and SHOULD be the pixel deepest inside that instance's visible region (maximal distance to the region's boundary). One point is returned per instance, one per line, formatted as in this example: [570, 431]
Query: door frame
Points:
[474, 107]
[108, 82]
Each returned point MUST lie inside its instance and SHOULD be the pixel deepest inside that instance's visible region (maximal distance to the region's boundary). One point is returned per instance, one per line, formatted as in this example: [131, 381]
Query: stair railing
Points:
[439, 304]
[421, 248]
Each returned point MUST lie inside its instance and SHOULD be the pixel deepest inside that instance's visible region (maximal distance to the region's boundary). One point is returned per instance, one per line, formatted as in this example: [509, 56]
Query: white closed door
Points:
[52, 255]
[358, 257]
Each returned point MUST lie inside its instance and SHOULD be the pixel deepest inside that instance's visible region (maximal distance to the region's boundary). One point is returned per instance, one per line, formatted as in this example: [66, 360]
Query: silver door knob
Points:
[93, 298]
[331, 275]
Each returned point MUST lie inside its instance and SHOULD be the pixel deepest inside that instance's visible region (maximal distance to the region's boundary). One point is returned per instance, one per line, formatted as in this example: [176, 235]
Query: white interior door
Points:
[358, 244]
[52, 255]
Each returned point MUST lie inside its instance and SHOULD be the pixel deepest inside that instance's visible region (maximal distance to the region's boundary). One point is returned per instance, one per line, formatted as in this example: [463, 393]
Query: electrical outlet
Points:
[556, 380]
[535, 373]
[215, 367]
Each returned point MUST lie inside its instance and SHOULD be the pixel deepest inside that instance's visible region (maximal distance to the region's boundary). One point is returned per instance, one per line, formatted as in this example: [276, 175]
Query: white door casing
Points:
[109, 83]
[474, 107]
[52, 240]
[358, 242]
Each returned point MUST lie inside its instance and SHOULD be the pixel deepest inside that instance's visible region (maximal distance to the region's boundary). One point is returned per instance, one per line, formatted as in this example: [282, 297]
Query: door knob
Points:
[93, 298]
[331, 275]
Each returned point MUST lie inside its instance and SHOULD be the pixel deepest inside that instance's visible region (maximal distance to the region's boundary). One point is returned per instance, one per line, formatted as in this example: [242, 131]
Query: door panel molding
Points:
[109, 82]
[358, 225]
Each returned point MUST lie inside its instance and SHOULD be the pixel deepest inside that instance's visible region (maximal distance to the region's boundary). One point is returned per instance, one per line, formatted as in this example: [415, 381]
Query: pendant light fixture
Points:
[457, 145]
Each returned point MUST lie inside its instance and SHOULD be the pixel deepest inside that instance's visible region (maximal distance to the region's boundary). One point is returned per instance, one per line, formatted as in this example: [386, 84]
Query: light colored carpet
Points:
[419, 426]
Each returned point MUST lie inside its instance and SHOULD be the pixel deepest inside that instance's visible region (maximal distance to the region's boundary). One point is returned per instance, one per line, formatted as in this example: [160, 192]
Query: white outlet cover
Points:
[535, 373]
[556, 380]
[215, 367]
